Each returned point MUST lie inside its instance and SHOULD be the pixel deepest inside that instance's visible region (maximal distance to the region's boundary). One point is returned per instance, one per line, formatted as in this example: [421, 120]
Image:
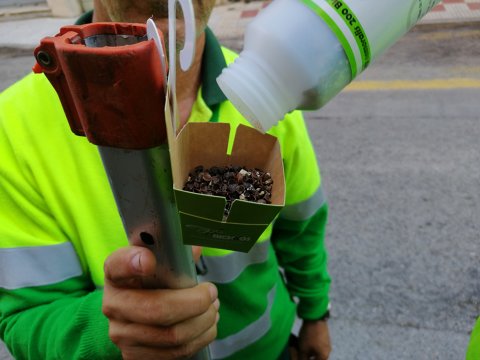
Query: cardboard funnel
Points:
[201, 215]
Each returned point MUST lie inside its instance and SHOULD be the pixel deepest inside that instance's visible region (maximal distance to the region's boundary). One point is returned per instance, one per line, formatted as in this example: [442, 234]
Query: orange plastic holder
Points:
[109, 79]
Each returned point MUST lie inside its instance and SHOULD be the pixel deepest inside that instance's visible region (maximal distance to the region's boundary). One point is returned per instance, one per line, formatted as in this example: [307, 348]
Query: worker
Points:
[69, 280]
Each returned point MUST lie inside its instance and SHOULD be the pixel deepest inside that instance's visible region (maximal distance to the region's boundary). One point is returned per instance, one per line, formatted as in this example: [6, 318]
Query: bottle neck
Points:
[256, 90]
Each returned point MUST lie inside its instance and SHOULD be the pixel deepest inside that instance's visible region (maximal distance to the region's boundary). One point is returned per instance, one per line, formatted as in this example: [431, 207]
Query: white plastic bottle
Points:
[299, 54]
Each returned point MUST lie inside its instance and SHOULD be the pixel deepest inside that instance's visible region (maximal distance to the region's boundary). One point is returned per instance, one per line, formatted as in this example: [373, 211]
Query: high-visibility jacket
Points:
[59, 222]
[473, 350]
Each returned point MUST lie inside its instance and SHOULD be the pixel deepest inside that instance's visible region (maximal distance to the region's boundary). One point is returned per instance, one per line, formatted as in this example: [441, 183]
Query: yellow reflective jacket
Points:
[59, 222]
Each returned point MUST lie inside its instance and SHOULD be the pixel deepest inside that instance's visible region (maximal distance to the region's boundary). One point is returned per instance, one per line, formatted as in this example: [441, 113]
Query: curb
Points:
[16, 51]
[450, 24]
[23, 12]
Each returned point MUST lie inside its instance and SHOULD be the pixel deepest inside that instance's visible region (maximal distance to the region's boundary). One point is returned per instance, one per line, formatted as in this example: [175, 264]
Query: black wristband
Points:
[325, 316]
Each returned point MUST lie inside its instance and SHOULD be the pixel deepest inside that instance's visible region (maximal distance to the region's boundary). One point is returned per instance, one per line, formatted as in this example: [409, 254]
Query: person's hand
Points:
[314, 341]
[155, 323]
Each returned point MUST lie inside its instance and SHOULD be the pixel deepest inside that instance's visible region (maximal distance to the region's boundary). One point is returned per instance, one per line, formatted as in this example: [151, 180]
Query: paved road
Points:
[401, 168]
[402, 172]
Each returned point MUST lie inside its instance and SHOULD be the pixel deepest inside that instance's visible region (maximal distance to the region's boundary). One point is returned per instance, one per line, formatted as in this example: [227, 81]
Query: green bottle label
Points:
[350, 22]
[356, 29]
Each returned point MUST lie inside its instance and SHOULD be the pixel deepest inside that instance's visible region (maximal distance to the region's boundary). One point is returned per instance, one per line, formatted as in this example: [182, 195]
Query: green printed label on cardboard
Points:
[231, 236]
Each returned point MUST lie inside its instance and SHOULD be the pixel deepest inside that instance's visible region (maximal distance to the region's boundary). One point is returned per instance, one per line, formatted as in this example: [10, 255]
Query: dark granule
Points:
[231, 182]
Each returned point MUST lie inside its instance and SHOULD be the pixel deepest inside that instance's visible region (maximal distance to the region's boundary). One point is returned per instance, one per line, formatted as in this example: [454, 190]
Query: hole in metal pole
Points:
[147, 238]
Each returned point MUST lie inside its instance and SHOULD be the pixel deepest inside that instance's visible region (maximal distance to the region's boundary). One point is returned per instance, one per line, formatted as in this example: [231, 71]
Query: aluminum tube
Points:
[141, 182]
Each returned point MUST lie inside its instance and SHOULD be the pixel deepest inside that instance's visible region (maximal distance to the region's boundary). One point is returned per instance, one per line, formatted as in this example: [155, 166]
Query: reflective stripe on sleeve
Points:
[225, 269]
[35, 266]
[249, 335]
[305, 209]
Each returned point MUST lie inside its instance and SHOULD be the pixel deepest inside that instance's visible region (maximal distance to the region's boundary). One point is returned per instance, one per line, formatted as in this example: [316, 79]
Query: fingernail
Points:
[218, 318]
[136, 262]
[216, 303]
[213, 292]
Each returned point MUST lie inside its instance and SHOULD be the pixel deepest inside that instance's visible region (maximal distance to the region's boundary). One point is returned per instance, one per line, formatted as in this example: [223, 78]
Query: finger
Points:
[305, 356]
[190, 349]
[131, 334]
[315, 354]
[196, 252]
[293, 352]
[178, 352]
[159, 307]
[127, 264]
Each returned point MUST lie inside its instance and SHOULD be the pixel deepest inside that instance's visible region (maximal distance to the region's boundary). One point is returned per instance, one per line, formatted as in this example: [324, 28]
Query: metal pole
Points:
[141, 181]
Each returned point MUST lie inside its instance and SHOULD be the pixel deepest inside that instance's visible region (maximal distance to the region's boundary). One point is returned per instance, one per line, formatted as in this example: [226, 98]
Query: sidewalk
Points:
[228, 21]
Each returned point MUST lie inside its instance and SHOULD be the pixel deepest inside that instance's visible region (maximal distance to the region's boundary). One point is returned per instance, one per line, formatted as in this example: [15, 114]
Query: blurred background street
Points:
[399, 151]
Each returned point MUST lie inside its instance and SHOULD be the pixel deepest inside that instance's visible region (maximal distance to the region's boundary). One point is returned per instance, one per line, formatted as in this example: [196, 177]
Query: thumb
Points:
[196, 252]
[126, 266]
